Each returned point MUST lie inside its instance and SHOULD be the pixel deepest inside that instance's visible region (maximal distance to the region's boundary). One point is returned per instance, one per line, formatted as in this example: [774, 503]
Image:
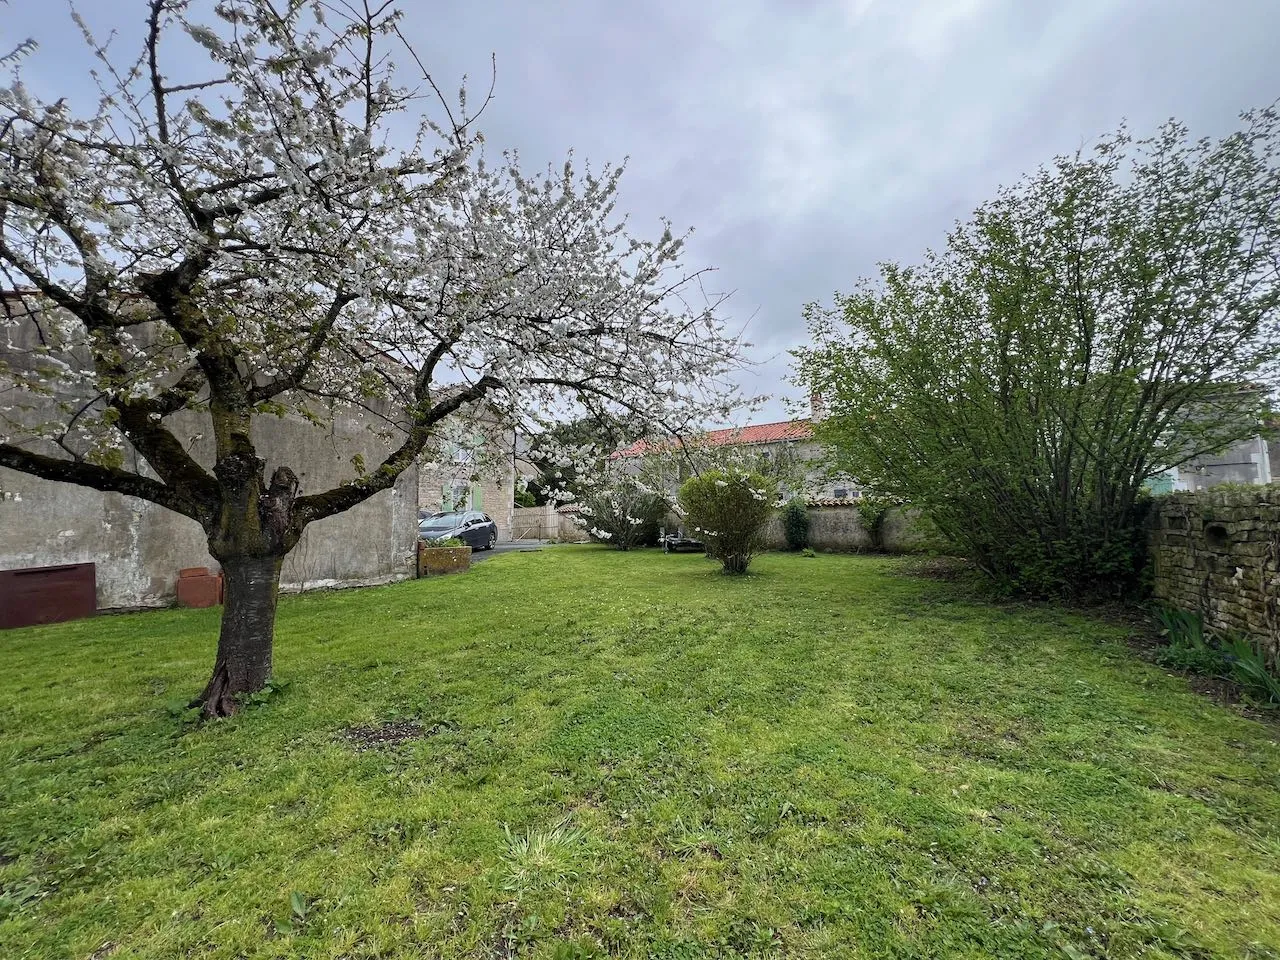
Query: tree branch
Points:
[353, 492]
[106, 479]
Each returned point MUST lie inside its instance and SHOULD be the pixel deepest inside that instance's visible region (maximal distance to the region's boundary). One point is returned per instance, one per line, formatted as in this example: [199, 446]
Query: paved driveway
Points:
[513, 546]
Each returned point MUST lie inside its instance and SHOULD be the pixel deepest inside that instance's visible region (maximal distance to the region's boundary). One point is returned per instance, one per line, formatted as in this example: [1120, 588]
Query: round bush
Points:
[728, 511]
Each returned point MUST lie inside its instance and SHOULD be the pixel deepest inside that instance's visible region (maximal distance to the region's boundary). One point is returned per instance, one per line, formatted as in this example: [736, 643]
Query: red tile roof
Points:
[781, 431]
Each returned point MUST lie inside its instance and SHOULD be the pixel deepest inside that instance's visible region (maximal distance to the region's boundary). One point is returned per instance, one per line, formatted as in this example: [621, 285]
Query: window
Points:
[456, 495]
[841, 493]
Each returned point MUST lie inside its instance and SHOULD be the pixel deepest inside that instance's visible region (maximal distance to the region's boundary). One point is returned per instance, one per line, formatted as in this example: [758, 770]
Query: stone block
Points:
[439, 561]
[198, 589]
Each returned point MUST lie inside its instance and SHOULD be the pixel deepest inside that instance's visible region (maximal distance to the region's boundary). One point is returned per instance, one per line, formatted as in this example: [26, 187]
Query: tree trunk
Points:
[248, 627]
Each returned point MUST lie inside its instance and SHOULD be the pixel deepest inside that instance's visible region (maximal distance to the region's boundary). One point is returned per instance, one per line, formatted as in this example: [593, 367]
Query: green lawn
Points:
[631, 755]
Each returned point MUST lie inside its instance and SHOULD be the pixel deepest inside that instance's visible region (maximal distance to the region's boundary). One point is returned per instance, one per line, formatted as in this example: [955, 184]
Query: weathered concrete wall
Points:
[1217, 552]
[840, 528]
[139, 547]
[907, 531]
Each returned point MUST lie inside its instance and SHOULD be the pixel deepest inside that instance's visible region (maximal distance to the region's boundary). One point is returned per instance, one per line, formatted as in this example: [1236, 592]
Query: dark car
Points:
[675, 544]
[477, 530]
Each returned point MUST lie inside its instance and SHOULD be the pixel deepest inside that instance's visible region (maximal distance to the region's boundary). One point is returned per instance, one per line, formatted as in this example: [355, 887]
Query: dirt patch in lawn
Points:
[945, 569]
[392, 733]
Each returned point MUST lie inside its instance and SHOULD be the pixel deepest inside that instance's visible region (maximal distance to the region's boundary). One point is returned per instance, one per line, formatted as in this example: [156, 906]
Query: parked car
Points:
[477, 530]
[674, 544]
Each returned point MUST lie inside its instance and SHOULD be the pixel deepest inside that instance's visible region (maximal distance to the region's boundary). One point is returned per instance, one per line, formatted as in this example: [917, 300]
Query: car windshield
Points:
[442, 521]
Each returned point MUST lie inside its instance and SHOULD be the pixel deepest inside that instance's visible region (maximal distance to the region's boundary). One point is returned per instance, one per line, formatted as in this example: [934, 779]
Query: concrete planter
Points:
[437, 561]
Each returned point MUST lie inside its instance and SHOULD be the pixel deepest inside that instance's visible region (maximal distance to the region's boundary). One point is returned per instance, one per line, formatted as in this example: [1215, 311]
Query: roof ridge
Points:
[770, 423]
[776, 431]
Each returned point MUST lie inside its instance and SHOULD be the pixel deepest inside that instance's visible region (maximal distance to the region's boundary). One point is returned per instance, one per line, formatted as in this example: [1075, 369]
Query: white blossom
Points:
[336, 261]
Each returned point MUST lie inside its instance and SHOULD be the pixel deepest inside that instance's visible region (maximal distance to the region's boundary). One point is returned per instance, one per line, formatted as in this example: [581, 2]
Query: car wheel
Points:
[493, 540]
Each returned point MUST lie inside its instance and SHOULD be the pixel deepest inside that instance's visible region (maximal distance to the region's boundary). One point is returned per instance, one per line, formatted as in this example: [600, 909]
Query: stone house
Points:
[1251, 461]
[784, 448]
[477, 474]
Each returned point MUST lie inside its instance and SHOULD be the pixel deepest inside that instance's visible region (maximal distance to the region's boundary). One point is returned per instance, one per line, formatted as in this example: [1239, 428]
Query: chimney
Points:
[817, 407]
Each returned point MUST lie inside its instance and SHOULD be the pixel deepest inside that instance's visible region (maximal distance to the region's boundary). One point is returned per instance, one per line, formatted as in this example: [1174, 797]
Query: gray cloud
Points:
[807, 140]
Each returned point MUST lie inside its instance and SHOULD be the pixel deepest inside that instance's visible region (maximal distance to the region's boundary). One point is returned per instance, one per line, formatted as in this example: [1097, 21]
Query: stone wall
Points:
[1217, 552]
[840, 528]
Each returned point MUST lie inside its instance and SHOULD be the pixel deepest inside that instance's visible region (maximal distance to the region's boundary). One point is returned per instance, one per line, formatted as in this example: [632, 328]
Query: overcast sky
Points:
[804, 141]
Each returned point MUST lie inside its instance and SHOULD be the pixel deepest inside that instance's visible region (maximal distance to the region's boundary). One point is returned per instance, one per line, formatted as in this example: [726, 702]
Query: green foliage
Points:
[624, 514]
[1183, 629]
[525, 498]
[832, 752]
[1208, 661]
[540, 858]
[1189, 647]
[445, 542]
[728, 511]
[1087, 558]
[271, 689]
[795, 524]
[1105, 319]
[808, 552]
[1233, 656]
[296, 919]
[872, 510]
[1249, 669]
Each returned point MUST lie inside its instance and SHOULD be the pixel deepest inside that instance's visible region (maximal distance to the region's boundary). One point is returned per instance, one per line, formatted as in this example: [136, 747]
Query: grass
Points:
[631, 755]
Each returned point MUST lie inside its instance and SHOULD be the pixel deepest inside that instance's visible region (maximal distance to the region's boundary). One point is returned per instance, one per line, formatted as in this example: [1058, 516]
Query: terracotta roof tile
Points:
[782, 430]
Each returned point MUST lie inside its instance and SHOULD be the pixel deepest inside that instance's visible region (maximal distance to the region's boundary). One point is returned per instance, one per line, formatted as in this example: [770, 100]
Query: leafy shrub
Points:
[1189, 645]
[624, 514]
[808, 552]
[1020, 388]
[728, 510]
[1096, 557]
[795, 524]
[1207, 660]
